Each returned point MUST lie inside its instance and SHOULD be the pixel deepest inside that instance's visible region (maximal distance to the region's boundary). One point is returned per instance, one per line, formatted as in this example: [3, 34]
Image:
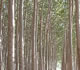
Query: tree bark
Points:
[17, 37]
[69, 41]
[40, 47]
[77, 33]
[21, 36]
[11, 47]
[0, 35]
[34, 37]
[64, 54]
[47, 28]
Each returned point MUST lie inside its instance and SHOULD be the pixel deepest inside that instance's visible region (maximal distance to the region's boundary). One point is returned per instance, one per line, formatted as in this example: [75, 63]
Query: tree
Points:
[0, 35]
[21, 36]
[77, 33]
[17, 37]
[67, 49]
[34, 37]
[41, 45]
[64, 54]
[47, 33]
[69, 41]
[11, 47]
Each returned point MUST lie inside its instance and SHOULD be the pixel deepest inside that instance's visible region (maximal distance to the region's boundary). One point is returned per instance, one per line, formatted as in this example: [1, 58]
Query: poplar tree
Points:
[21, 36]
[34, 37]
[11, 46]
[0, 35]
[77, 33]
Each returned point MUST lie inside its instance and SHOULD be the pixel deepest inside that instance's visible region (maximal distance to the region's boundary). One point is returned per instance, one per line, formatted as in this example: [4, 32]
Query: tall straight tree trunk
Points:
[17, 37]
[21, 41]
[11, 47]
[0, 36]
[4, 38]
[67, 56]
[69, 41]
[47, 35]
[54, 52]
[68, 53]
[64, 54]
[77, 33]
[34, 37]
[40, 49]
